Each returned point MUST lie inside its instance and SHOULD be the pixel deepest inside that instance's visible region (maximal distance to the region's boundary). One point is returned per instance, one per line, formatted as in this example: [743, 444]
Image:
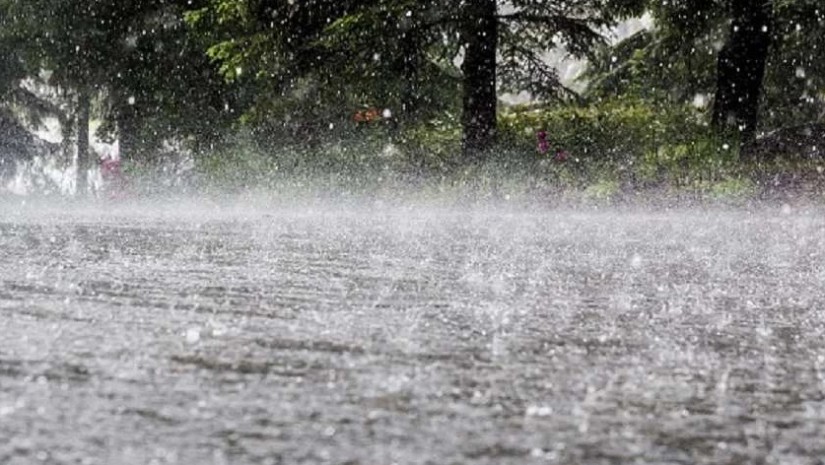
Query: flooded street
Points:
[411, 335]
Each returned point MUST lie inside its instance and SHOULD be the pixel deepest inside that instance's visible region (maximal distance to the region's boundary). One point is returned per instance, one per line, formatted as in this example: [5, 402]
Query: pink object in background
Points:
[115, 185]
[561, 155]
[111, 172]
[543, 145]
[110, 169]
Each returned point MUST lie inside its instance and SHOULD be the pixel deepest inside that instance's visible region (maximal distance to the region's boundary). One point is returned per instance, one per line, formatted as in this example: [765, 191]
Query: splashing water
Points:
[205, 333]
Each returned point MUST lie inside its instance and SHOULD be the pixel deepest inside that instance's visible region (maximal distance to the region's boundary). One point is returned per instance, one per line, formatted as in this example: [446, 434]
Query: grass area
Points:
[624, 151]
[667, 175]
[619, 151]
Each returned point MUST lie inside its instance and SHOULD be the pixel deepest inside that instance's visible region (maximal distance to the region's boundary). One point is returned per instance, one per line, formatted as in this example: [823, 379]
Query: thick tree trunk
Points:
[741, 68]
[83, 105]
[67, 144]
[480, 38]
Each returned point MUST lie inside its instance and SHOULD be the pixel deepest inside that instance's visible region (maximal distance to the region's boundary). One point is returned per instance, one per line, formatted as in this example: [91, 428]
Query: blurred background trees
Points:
[200, 74]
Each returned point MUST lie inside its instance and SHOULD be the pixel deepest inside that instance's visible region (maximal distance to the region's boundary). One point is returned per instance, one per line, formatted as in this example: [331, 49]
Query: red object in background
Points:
[367, 116]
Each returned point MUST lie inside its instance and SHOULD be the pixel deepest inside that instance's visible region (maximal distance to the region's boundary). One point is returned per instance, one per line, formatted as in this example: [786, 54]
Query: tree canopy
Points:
[701, 51]
[196, 71]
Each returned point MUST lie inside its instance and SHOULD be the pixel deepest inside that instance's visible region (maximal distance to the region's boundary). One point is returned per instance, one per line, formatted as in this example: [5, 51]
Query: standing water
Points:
[411, 335]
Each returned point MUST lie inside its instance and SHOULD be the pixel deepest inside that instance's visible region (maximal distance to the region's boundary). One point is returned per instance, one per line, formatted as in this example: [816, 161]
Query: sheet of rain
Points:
[411, 335]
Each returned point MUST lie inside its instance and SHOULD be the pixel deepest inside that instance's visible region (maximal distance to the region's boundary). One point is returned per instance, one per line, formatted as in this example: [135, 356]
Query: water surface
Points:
[190, 334]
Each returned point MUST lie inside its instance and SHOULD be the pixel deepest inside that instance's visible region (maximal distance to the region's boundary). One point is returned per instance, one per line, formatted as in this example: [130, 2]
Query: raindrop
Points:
[217, 329]
[538, 411]
[193, 335]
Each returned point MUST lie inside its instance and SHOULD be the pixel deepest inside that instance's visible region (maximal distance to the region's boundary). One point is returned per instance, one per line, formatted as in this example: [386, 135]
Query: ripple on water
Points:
[413, 337]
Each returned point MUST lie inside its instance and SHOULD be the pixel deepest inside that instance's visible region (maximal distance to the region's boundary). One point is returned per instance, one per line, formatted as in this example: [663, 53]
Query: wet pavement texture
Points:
[411, 336]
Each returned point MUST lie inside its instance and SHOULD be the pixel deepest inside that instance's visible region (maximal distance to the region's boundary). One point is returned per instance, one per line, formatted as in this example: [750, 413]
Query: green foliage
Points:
[624, 144]
[397, 54]
[432, 144]
[258, 88]
[676, 60]
[350, 54]
[795, 81]
[536, 26]
[151, 80]
[614, 130]
[235, 167]
[11, 64]
[654, 66]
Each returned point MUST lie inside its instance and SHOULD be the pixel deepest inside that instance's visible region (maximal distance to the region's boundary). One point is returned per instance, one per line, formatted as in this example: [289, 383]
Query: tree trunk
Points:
[741, 68]
[480, 38]
[67, 144]
[83, 104]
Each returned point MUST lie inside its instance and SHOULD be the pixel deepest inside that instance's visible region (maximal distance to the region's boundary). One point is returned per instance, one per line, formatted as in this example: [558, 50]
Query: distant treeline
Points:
[297, 72]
